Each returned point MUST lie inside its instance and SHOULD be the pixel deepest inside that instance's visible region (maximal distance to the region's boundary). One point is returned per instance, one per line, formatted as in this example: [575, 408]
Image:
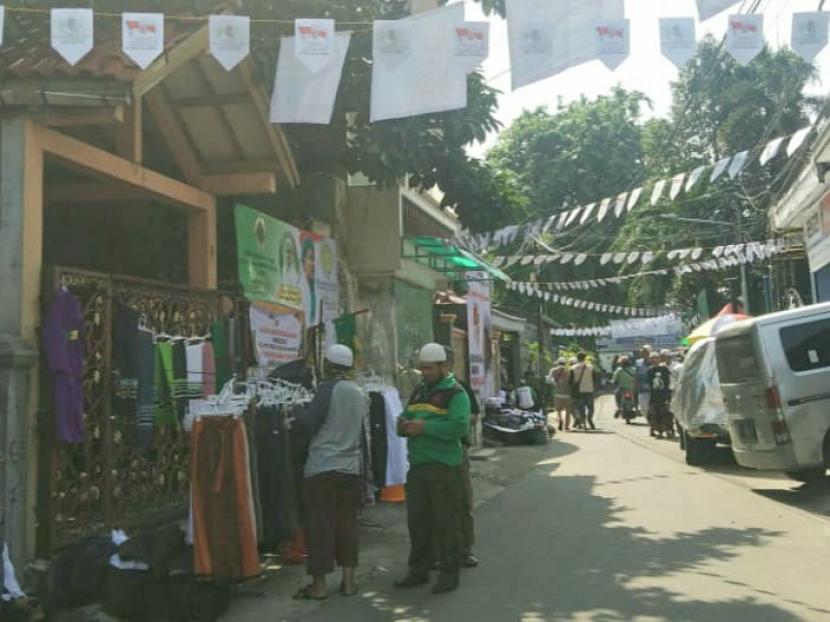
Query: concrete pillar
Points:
[21, 236]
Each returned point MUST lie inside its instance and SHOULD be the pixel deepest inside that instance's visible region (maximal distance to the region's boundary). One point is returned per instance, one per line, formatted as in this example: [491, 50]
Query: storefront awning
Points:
[440, 255]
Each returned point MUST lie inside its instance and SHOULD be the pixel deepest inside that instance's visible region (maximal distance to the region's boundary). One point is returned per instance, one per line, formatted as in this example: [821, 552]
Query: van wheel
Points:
[808, 475]
[699, 451]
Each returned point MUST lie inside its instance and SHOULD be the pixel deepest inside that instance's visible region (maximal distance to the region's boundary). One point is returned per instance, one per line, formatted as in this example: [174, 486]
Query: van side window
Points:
[807, 345]
[736, 360]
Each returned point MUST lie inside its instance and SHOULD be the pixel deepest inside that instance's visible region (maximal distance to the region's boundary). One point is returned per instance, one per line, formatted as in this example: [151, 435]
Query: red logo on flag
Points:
[470, 35]
[313, 33]
[743, 27]
[611, 33]
[143, 28]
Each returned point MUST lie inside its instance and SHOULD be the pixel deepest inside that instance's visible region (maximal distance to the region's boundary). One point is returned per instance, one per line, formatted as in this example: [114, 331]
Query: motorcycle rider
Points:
[625, 379]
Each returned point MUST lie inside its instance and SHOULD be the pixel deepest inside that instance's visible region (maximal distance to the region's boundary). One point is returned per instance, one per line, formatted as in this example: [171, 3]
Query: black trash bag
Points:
[77, 575]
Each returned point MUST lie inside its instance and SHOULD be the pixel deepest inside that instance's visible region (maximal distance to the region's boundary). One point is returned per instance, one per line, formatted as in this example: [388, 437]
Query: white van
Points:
[775, 377]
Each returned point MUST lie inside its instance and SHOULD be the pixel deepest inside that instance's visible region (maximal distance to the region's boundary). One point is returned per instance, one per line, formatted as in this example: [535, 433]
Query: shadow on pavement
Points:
[553, 549]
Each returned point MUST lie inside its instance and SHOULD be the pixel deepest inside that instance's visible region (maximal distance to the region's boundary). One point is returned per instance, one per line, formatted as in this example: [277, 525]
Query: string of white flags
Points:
[534, 291]
[720, 255]
[622, 204]
[420, 63]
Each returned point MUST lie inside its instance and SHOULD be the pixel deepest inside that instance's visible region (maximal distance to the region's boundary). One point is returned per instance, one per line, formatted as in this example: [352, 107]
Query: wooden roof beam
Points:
[175, 137]
[240, 184]
[169, 62]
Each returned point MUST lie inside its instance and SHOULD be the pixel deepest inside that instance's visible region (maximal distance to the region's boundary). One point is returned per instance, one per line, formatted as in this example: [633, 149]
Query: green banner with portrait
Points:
[268, 252]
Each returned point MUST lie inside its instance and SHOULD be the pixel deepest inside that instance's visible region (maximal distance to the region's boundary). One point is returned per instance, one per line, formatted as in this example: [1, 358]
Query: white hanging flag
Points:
[548, 37]
[678, 40]
[634, 198]
[230, 39]
[586, 213]
[648, 257]
[572, 216]
[810, 33]
[676, 185]
[619, 208]
[302, 95]
[603, 209]
[632, 257]
[72, 33]
[738, 162]
[694, 177]
[657, 193]
[606, 257]
[413, 72]
[142, 37]
[314, 43]
[771, 150]
[614, 42]
[2, 20]
[620, 257]
[710, 8]
[797, 140]
[580, 259]
[720, 168]
[566, 258]
[745, 37]
[470, 44]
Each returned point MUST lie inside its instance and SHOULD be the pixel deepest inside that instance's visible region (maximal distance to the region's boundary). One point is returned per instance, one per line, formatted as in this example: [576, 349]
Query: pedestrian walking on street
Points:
[332, 484]
[584, 380]
[660, 418]
[467, 518]
[559, 377]
[643, 386]
[435, 422]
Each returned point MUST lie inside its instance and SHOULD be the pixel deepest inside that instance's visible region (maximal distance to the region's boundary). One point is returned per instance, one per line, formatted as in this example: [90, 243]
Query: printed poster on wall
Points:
[277, 336]
[479, 335]
[318, 285]
[268, 253]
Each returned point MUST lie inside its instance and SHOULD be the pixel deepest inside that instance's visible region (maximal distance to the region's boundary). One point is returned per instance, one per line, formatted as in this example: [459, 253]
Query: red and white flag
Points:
[314, 44]
[745, 37]
[142, 37]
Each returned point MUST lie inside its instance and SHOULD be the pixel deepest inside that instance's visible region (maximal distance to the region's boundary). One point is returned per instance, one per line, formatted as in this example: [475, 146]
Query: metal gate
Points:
[105, 482]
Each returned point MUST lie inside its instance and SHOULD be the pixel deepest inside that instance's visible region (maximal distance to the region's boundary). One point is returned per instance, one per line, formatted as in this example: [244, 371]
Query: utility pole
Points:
[744, 265]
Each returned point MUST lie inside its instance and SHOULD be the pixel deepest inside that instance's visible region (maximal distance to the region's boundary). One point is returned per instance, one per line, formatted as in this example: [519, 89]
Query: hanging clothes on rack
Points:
[397, 458]
[180, 393]
[125, 336]
[165, 411]
[146, 396]
[378, 439]
[63, 342]
[224, 530]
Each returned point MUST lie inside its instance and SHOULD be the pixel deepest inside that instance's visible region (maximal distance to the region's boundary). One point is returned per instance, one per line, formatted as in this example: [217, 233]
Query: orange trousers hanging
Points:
[224, 531]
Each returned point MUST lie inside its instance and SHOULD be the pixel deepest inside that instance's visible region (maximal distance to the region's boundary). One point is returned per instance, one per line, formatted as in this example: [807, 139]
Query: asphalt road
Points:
[614, 526]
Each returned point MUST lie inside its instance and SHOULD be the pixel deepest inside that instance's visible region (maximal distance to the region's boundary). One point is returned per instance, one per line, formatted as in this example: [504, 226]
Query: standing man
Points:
[333, 484]
[562, 402]
[435, 422]
[584, 381]
[643, 385]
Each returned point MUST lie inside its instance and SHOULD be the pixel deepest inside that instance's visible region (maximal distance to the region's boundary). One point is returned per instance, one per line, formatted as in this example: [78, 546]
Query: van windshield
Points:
[736, 360]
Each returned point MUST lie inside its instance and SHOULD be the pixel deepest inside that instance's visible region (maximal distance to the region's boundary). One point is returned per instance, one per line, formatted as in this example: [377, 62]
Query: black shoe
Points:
[446, 583]
[468, 560]
[412, 580]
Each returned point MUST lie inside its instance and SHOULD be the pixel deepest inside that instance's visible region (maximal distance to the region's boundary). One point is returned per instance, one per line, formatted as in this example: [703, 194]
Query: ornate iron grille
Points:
[105, 482]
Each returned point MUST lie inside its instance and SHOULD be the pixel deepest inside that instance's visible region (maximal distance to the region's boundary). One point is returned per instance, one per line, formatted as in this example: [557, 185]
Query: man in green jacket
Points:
[435, 422]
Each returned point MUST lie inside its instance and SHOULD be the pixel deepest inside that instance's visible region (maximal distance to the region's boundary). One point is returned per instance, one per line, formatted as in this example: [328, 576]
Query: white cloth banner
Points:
[710, 8]
[548, 37]
[586, 213]
[676, 185]
[720, 168]
[694, 178]
[797, 140]
[572, 216]
[142, 37]
[619, 208]
[613, 42]
[470, 44]
[414, 71]
[397, 461]
[738, 163]
[301, 95]
[277, 336]
[2, 22]
[810, 33]
[603, 209]
[771, 150]
[745, 37]
[72, 33]
[314, 43]
[10, 584]
[634, 198]
[479, 335]
[230, 39]
[657, 193]
[325, 278]
[678, 40]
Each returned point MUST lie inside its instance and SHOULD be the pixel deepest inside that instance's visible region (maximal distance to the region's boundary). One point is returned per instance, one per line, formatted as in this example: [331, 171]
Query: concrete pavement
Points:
[607, 526]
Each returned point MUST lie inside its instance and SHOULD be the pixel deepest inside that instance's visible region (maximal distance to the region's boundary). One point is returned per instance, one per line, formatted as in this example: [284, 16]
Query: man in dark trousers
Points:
[435, 423]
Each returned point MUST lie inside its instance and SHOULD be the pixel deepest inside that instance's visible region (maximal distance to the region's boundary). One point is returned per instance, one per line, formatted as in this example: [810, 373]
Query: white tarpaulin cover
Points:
[414, 70]
[548, 37]
[698, 399]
